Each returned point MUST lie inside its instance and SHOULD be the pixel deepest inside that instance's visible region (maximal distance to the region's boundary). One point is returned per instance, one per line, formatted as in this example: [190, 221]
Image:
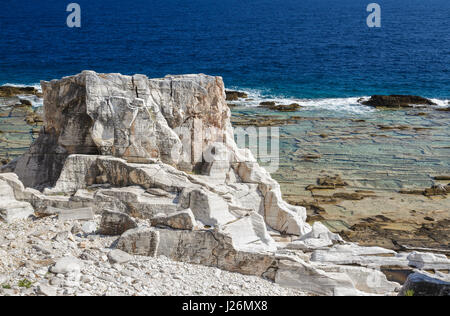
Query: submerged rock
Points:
[334, 181]
[435, 190]
[397, 101]
[280, 107]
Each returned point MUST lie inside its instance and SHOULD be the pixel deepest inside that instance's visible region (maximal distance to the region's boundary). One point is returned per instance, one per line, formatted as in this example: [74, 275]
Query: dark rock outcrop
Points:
[235, 95]
[280, 107]
[397, 101]
[425, 284]
[8, 91]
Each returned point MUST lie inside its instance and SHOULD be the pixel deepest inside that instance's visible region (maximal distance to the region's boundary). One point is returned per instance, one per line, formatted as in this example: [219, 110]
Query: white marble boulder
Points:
[12, 210]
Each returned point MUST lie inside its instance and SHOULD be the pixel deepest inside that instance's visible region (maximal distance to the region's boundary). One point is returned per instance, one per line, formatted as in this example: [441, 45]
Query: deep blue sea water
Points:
[284, 48]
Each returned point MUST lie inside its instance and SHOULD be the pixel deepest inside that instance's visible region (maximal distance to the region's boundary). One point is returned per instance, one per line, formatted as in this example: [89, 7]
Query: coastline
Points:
[220, 209]
[370, 210]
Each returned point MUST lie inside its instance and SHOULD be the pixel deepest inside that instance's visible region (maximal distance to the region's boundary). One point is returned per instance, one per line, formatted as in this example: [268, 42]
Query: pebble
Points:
[89, 227]
[66, 265]
[46, 290]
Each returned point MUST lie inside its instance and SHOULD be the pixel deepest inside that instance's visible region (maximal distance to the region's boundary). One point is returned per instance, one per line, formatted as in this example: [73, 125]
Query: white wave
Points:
[441, 103]
[338, 104]
[255, 97]
[35, 101]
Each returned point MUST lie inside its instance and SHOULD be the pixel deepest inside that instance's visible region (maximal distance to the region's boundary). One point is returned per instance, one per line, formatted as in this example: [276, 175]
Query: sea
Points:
[319, 52]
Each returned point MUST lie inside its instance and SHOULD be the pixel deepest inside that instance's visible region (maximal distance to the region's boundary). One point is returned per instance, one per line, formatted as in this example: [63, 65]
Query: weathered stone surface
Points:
[71, 215]
[278, 214]
[178, 220]
[300, 275]
[320, 231]
[428, 261]
[425, 284]
[366, 280]
[250, 234]
[76, 174]
[217, 162]
[352, 254]
[212, 248]
[140, 241]
[207, 207]
[125, 116]
[319, 237]
[115, 223]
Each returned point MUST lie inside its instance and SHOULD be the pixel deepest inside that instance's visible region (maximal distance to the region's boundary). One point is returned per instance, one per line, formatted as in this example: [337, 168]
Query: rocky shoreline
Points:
[389, 158]
[154, 163]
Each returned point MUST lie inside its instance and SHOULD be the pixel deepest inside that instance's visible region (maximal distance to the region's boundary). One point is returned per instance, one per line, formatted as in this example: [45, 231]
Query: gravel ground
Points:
[29, 249]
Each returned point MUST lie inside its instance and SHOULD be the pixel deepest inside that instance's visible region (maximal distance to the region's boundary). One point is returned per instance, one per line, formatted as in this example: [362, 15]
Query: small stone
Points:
[46, 290]
[63, 236]
[41, 272]
[89, 227]
[119, 256]
[76, 229]
[42, 249]
[3, 279]
[86, 279]
[10, 236]
[56, 281]
[66, 265]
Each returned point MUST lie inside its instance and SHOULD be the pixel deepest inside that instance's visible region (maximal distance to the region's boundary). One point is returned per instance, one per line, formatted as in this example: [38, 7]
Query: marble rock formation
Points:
[163, 151]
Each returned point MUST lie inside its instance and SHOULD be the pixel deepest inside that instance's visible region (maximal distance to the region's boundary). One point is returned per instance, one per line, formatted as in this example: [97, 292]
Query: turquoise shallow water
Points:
[387, 150]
